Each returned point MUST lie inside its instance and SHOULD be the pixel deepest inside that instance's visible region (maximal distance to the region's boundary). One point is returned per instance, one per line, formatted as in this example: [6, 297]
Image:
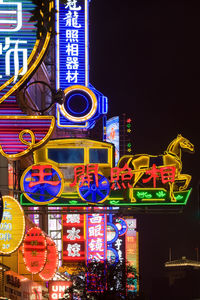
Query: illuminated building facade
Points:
[76, 186]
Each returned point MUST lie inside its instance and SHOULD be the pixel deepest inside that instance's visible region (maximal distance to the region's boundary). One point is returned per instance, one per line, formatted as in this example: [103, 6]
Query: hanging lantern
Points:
[51, 264]
[34, 250]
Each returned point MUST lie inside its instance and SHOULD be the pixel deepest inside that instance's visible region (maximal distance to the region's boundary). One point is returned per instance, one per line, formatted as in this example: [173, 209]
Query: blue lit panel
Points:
[71, 44]
[112, 135]
[17, 38]
[83, 103]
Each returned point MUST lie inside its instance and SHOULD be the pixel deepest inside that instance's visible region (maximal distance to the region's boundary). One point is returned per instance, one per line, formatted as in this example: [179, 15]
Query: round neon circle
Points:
[42, 183]
[79, 118]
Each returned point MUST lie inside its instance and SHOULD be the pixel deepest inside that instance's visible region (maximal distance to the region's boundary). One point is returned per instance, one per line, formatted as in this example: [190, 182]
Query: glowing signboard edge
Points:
[32, 146]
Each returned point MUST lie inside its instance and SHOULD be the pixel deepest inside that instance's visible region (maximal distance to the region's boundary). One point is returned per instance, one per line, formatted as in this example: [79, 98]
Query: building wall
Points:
[4, 175]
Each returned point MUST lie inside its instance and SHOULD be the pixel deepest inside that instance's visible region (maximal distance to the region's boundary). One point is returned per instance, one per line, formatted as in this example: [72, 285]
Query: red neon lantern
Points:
[51, 261]
[34, 250]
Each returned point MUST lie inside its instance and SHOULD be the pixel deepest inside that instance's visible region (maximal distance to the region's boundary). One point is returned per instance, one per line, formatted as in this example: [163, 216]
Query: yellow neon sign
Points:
[12, 227]
[140, 163]
[31, 145]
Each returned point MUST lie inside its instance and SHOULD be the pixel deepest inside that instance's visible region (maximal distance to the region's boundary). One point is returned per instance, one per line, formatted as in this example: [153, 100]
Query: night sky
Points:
[144, 56]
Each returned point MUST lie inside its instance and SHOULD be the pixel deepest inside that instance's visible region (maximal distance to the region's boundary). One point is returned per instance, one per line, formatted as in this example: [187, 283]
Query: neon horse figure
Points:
[140, 163]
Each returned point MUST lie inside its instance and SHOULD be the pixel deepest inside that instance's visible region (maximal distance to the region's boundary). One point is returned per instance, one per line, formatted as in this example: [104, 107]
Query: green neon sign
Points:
[129, 198]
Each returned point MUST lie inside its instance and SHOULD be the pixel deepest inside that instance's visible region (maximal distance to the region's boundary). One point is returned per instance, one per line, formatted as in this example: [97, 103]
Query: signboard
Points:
[132, 251]
[19, 45]
[1, 207]
[12, 227]
[96, 237]
[137, 180]
[51, 263]
[116, 230]
[42, 183]
[112, 135]
[34, 250]
[21, 53]
[83, 103]
[73, 239]
[57, 289]
[12, 285]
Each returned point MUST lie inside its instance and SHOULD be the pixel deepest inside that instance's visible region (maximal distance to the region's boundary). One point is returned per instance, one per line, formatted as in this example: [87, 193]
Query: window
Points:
[98, 156]
[67, 156]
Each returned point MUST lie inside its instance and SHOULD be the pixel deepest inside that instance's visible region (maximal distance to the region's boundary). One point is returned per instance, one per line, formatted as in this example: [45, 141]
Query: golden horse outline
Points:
[139, 163]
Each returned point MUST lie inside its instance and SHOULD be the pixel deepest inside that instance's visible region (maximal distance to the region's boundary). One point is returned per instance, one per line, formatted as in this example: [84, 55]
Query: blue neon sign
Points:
[17, 39]
[83, 103]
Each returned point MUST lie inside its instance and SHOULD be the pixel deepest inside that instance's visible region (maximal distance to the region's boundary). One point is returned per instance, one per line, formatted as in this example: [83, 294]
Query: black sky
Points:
[144, 56]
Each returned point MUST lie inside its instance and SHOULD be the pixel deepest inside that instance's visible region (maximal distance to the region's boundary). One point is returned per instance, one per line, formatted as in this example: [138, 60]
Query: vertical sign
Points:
[112, 135]
[132, 250]
[72, 43]
[96, 237]
[73, 238]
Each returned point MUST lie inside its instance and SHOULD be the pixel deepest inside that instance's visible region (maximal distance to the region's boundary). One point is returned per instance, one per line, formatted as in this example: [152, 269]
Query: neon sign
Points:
[51, 263]
[137, 180]
[73, 239]
[34, 250]
[96, 233]
[42, 183]
[18, 45]
[112, 135]
[83, 103]
[12, 226]
[19, 58]
[1, 208]
[25, 133]
[57, 289]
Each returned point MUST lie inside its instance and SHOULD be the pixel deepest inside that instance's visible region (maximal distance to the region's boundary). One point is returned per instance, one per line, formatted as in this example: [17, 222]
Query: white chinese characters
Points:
[10, 19]
[13, 51]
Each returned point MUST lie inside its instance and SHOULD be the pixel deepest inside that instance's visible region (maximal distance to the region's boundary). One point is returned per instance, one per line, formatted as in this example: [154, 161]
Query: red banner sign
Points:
[73, 238]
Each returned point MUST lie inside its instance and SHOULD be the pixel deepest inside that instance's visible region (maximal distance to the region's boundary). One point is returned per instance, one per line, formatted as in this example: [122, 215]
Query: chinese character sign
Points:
[96, 237]
[17, 38]
[42, 183]
[71, 43]
[12, 227]
[73, 238]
